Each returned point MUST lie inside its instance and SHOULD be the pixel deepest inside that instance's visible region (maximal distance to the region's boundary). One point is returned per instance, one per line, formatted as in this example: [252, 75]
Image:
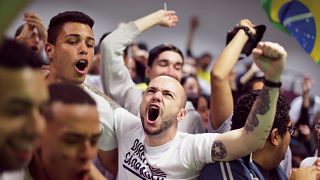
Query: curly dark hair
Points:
[68, 16]
[245, 103]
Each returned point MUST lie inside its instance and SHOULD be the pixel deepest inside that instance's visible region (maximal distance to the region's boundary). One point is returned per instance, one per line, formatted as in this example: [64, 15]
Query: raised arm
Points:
[221, 106]
[32, 20]
[194, 23]
[116, 79]
[270, 58]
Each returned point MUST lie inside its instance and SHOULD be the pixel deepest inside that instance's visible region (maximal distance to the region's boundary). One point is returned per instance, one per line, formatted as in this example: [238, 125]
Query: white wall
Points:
[216, 16]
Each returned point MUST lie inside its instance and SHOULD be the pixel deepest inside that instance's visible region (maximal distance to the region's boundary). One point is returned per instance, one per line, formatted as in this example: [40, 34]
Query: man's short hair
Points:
[68, 16]
[16, 56]
[154, 53]
[65, 93]
[245, 103]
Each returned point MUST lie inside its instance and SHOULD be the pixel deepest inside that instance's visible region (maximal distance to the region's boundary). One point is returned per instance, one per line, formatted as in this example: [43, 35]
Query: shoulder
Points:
[226, 170]
[100, 96]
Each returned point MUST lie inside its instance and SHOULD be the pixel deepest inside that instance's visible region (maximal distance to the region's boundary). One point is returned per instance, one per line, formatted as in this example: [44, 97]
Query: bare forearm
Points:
[261, 116]
[222, 106]
[148, 21]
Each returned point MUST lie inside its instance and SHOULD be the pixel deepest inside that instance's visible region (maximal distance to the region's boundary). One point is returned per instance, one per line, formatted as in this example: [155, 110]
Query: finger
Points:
[257, 52]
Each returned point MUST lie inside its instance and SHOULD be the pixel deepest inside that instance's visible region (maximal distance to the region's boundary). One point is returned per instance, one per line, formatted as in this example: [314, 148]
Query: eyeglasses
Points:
[291, 130]
[317, 126]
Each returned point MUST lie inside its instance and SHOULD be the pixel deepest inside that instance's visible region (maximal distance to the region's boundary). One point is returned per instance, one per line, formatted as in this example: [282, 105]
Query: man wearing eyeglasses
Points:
[263, 163]
[311, 161]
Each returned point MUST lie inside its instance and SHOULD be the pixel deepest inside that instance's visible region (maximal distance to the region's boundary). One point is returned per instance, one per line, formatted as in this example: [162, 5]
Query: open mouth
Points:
[153, 112]
[82, 64]
[82, 174]
[34, 48]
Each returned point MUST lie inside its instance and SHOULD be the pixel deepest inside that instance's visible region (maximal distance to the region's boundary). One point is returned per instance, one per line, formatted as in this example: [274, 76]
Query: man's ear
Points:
[275, 137]
[49, 48]
[181, 115]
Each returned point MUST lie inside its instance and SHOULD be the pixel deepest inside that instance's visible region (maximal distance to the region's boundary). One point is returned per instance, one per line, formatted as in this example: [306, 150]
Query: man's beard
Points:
[163, 127]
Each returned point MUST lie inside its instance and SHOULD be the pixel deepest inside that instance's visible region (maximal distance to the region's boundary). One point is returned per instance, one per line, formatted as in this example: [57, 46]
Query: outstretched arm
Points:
[161, 17]
[221, 106]
[116, 79]
[270, 58]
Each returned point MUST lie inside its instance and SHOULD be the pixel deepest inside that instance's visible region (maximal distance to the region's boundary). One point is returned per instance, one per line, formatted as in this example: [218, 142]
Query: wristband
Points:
[272, 84]
[246, 30]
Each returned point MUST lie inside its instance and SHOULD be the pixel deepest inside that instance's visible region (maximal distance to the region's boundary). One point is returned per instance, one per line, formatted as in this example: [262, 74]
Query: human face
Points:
[131, 65]
[72, 54]
[33, 41]
[284, 143]
[161, 105]
[168, 63]
[317, 129]
[191, 86]
[70, 141]
[203, 110]
[22, 92]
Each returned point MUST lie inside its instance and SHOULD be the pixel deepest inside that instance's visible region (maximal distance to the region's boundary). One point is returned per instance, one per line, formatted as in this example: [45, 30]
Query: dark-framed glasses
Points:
[291, 129]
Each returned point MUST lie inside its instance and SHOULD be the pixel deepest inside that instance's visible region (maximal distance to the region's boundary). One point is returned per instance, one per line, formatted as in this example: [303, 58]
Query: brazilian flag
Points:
[300, 19]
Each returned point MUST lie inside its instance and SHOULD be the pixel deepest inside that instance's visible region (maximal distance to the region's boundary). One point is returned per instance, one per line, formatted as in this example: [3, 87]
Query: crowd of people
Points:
[75, 108]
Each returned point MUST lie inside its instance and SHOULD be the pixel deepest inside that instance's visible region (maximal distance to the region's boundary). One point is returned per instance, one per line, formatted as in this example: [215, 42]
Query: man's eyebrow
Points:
[20, 102]
[163, 60]
[171, 92]
[152, 88]
[97, 135]
[72, 134]
[72, 35]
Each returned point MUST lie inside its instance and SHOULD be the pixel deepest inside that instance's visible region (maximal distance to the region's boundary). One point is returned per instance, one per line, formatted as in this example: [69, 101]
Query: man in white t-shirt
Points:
[152, 148]
[70, 50]
[164, 59]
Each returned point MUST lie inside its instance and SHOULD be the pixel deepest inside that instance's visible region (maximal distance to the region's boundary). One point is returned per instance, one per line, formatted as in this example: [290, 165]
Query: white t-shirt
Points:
[105, 109]
[181, 158]
[308, 162]
[295, 109]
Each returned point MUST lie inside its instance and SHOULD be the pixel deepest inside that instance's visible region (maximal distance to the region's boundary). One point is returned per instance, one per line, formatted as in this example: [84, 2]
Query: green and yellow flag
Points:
[300, 19]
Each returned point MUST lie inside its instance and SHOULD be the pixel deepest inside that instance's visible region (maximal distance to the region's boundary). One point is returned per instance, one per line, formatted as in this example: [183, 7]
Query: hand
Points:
[317, 164]
[305, 131]
[270, 58]
[167, 18]
[249, 24]
[45, 71]
[304, 173]
[194, 23]
[307, 84]
[33, 21]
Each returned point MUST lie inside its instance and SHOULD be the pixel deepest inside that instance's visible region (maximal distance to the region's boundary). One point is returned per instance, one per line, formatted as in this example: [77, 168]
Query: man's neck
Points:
[263, 159]
[36, 169]
[160, 139]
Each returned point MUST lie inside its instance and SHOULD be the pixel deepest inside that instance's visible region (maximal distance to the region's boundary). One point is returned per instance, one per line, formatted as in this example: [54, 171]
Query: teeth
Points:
[82, 61]
[153, 107]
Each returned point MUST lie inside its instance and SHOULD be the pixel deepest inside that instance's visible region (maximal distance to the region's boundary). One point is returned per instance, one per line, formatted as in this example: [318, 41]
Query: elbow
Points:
[217, 75]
